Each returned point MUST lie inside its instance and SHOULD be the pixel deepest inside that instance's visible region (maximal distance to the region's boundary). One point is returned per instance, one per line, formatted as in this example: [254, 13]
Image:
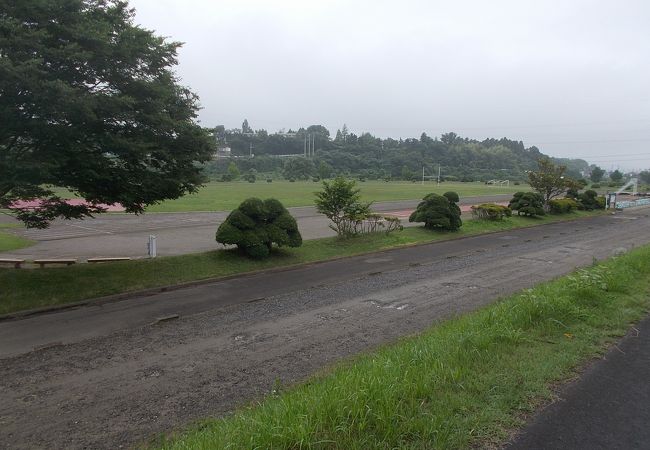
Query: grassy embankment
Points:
[9, 241]
[25, 289]
[465, 383]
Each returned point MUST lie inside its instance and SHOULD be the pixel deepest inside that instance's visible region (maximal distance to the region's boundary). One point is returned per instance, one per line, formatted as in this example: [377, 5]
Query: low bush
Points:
[490, 211]
[589, 201]
[269, 180]
[527, 204]
[595, 186]
[562, 205]
[572, 193]
[256, 225]
[374, 223]
[438, 211]
[392, 224]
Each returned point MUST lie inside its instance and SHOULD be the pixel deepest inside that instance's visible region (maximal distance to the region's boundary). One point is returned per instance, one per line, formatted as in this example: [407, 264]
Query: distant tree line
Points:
[368, 157]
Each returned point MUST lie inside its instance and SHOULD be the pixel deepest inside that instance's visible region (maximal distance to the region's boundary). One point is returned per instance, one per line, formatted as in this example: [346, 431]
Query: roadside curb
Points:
[98, 301]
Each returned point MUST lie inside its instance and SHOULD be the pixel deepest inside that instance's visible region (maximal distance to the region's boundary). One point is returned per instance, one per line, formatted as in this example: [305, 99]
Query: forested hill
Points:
[371, 157]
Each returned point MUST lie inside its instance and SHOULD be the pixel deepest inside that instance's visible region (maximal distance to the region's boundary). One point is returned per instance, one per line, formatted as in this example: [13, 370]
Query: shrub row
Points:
[490, 211]
[562, 205]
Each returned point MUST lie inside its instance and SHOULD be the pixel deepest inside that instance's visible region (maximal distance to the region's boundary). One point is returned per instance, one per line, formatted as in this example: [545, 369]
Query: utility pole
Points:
[304, 147]
[438, 174]
[250, 150]
[422, 175]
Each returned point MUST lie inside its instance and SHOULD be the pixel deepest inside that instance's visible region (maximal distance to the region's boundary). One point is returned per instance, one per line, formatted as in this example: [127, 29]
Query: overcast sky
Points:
[571, 77]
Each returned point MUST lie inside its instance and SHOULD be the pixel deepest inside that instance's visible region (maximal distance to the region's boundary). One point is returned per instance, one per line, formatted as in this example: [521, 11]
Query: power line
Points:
[614, 155]
[599, 141]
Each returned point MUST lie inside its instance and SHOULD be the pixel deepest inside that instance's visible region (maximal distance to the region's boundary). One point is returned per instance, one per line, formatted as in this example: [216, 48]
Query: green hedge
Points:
[490, 211]
[562, 205]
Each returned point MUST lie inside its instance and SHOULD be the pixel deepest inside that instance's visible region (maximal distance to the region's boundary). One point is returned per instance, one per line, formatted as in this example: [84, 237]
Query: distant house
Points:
[222, 152]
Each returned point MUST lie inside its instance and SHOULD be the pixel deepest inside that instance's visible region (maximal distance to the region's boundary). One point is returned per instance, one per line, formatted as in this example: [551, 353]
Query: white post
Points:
[438, 174]
[151, 246]
[422, 175]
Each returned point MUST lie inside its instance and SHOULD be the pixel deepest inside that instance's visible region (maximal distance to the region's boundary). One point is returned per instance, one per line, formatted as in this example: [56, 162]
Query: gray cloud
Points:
[569, 77]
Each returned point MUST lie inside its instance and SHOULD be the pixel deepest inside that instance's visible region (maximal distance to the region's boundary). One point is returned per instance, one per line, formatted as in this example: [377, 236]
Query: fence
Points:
[632, 203]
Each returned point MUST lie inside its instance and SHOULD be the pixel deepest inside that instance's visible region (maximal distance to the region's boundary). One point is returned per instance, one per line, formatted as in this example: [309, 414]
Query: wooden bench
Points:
[43, 262]
[16, 262]
[101, 260]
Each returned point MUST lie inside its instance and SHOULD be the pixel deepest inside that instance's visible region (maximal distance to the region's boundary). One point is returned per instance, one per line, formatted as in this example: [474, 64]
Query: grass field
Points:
[52, 286]
[216, 196]
[9, 241]
[463, 384]
[226, 196]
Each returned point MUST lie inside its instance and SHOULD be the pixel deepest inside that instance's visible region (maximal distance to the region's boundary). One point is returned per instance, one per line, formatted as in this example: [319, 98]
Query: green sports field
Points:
[225, 196]
[9, 241]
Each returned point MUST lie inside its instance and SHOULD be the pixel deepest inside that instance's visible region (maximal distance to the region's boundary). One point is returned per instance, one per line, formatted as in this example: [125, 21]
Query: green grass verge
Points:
[9, 241]
[463, 384]
[35, 288]
[215, 196]
[226, 196]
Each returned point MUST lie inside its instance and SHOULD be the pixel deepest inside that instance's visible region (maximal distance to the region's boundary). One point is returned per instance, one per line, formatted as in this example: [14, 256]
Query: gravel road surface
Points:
[108, 376]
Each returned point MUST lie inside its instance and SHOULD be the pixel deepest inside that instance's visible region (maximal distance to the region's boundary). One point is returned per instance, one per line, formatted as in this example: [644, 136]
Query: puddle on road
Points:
[377, 260]
[335, 315]
[387, 305]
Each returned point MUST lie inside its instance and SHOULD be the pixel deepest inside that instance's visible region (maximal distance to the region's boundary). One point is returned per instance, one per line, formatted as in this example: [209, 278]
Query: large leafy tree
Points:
[298, 168]
[644, 176]
[89, 102]
[596, 174]
[549, 180]
[616, 176]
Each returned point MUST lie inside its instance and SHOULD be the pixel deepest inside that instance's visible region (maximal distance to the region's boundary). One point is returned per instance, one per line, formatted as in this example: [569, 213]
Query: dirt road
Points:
[113, 386]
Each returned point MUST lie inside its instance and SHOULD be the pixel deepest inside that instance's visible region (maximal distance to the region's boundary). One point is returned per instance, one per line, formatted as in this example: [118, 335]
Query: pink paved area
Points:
[115, 207]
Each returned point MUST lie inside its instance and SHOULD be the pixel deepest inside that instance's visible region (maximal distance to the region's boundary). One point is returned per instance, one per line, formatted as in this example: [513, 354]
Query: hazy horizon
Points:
[570, 79]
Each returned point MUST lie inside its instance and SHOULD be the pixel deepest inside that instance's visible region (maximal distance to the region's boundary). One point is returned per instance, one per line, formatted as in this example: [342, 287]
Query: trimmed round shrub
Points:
[438, 211]
[589, 200]
[595, 186]
[452, 196]
[527, 204]
[256, 225]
